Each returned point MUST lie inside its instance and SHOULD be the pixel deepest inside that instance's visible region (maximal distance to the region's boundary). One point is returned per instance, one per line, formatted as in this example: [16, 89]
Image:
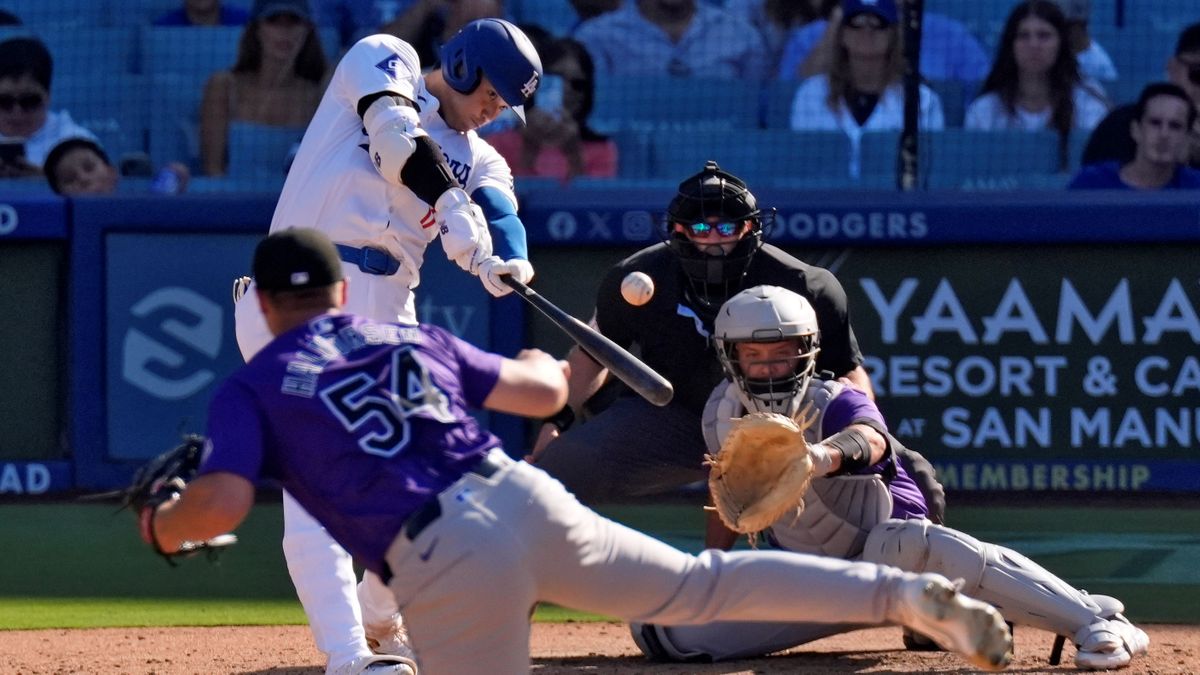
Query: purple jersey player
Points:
[366, 425]
[862, 505]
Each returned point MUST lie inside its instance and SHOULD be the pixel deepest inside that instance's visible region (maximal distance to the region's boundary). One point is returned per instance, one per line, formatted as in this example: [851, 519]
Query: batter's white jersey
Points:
[332, 185]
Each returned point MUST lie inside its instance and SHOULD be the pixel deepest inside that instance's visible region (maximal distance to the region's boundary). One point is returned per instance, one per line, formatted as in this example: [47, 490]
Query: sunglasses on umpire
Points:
[27, 102]
[704, 230]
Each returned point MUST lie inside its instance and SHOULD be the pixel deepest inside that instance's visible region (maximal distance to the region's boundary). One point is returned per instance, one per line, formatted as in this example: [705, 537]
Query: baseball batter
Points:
[467, 538]
[389, 163]
[865, 507]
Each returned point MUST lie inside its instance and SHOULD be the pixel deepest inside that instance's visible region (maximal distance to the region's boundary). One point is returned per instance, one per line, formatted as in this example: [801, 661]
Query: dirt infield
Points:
[557, 649]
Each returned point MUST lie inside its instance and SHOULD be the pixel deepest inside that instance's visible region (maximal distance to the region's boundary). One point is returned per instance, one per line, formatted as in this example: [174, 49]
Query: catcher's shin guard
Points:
[1024, 592]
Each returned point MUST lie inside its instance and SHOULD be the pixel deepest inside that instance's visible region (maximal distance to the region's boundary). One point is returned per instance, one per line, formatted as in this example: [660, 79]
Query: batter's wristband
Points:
[562, 420]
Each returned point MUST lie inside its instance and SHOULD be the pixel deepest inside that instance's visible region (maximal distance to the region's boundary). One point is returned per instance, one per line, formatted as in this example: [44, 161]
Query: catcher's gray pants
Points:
[631, 449]
[467, 582]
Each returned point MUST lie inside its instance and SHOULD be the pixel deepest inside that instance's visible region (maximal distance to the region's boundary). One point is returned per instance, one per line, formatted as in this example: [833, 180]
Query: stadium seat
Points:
[115, 107]
[556, 16]
[961, 159]
[674, 103]
[954, 102]
[777, 98]
[82, 50]
[760, 156]
[984, 18]
[633, 153]
[175, 117]
[60, 14]
[259, 150]
[187, 50]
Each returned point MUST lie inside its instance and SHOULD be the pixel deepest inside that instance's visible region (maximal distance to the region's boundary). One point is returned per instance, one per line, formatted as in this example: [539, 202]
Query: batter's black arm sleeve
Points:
[426, 172]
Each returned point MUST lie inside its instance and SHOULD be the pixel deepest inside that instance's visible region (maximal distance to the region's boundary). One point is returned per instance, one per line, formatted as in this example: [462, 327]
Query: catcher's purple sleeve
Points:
[851, 404]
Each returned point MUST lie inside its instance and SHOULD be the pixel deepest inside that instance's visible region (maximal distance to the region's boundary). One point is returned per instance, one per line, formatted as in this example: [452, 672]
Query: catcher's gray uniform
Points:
[848, 517]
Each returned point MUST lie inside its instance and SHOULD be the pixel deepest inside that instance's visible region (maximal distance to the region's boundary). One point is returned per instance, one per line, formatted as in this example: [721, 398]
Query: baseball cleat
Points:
[931, 605]
[1109, 643]
[392, 643]
[378, 665]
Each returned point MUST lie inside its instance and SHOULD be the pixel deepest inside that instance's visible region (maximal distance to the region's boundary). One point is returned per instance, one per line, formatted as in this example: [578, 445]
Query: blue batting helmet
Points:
[498, 49]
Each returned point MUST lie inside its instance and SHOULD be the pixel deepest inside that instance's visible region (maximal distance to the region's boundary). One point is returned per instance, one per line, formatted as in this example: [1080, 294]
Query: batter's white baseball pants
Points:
[321, 570]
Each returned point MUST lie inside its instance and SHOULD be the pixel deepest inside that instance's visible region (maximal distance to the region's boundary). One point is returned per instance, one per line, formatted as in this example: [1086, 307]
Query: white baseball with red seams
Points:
[637, 288]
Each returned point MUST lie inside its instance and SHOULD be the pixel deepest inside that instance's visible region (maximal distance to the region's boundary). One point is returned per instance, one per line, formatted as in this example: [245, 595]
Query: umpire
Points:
[713, 249]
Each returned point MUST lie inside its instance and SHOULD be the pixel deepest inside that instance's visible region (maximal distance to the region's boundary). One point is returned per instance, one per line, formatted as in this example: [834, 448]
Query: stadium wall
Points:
[1027, 341]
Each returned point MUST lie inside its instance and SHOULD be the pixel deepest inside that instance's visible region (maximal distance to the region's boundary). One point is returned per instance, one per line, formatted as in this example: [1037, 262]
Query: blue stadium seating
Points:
[962, 159]
[674, 103]
[760, 156]
[633, 153]
[116, 107]
[187, 50]
[82, 49]
[60, 14]
[259, 150]
[984, 18]
[556, 16]
[175, 117]
[776, 103]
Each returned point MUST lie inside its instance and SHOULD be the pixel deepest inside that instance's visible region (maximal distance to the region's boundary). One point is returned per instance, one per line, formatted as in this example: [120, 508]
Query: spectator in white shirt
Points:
[862, 89]
[1034, 82]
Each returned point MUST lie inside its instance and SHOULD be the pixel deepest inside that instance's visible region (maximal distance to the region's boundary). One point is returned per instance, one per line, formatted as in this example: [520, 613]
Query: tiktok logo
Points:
[164, 365]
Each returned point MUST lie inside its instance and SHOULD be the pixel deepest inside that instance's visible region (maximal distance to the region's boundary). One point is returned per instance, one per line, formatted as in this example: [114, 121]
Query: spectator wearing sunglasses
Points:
[1112, 141]
[861, 90]
[26, 121]
[713, 249]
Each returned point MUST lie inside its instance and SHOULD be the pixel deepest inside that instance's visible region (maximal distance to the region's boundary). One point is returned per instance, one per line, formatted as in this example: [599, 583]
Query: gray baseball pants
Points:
[467, 582]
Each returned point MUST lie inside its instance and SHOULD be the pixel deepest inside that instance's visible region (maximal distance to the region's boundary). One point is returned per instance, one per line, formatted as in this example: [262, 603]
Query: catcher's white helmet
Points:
[769, 314]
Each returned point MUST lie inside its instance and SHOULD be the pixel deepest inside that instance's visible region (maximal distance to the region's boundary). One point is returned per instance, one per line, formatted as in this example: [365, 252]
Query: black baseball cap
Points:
[296, 259]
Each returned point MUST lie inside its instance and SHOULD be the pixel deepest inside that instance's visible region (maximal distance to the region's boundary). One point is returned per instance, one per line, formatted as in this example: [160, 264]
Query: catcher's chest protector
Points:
[839, 512]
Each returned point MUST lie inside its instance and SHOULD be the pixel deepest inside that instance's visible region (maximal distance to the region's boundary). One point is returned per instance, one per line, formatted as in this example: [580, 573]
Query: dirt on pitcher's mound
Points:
[557, 649]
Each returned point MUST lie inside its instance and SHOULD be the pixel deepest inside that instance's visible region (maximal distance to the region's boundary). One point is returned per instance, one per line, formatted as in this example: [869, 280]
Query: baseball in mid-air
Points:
[637, 288]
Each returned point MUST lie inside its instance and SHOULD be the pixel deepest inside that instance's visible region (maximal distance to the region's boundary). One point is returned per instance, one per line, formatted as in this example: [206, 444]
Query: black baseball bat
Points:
[640, 377]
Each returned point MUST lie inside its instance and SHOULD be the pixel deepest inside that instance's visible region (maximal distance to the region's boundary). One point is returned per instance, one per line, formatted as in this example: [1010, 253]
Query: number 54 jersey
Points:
[386, 422]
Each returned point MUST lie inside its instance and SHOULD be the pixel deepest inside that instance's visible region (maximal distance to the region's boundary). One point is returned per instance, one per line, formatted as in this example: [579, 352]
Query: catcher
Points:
[807, 461]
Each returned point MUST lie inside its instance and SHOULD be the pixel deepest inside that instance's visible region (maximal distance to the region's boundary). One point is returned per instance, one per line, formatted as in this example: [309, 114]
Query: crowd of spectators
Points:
[838, 63]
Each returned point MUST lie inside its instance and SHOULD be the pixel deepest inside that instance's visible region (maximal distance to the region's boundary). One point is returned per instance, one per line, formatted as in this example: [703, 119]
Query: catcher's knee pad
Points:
[920, 546]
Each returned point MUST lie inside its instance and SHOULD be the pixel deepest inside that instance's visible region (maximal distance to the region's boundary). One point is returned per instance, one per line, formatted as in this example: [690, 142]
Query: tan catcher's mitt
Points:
[761, 472]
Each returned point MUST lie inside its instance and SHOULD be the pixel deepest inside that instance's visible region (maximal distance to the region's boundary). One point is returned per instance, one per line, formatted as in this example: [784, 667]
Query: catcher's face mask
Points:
[774, 376]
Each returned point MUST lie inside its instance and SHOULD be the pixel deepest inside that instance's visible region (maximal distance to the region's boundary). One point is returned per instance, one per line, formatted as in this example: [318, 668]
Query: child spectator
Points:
[26, 70]
[78, 166]
[277, 80]
[1035, 83]
[556, 140]
[861, 91]
[204, 13]
[1162, 122]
